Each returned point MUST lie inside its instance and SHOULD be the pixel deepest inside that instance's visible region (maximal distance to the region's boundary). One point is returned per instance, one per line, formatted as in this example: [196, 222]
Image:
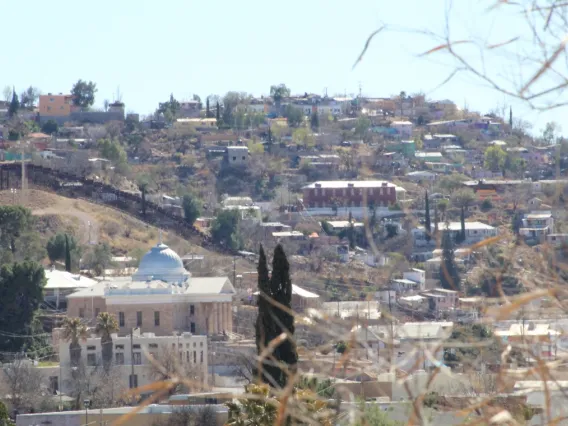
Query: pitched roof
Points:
[64, 279]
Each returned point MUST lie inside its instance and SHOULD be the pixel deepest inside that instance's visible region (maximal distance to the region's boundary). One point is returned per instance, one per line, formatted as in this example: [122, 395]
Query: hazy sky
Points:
[153, 48]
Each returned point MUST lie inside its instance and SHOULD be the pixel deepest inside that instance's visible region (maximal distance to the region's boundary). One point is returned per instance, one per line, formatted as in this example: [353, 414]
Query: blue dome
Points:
[161, 263]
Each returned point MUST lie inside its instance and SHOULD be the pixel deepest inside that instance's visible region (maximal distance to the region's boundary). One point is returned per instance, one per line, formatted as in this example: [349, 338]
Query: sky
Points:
[149, 49]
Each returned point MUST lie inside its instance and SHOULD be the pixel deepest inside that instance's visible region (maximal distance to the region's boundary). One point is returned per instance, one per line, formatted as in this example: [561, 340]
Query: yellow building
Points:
[55, 105]
[185, 123]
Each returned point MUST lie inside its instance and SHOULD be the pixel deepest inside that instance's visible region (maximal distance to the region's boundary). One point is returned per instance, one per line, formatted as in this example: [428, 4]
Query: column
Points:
[214, 315]
[223, 316]
[229, 319]
[209, 315]
[220, 317]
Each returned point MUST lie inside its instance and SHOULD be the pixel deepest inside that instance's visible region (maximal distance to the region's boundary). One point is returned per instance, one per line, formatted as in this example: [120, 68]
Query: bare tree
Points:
[23, 382]
[169, 364]
[7, 93]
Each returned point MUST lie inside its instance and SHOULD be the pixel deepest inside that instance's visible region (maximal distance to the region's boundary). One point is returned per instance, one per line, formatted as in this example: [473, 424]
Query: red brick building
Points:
[326, 194]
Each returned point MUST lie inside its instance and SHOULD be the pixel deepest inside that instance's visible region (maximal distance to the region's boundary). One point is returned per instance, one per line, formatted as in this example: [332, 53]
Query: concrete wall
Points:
[99, 117]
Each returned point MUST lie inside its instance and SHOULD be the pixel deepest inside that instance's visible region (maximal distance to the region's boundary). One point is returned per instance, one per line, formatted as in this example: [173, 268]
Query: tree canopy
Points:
[294, 115]
[50, 127]
[494, 158]
[278, 92]
[191, 208]
[21, 292]
[84, 93]
[225, 229]
[56, 246]
[449, 274]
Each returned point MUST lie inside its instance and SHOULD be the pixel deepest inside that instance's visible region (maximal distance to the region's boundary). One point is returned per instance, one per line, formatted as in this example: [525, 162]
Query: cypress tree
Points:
[207, 109]
[436, 219]
[218, 112]
[67, 254]
[511, 117]
[462, 219]
[264, 322]
[449, 274]
[14, 105]
[427, 223]
[281, 288]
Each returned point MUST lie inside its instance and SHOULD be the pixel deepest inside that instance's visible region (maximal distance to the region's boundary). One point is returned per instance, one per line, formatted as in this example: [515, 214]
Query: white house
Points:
[536, 225]
[404, 128]
[474, 232]
[421, 175]
[60, 284]
[237, 155]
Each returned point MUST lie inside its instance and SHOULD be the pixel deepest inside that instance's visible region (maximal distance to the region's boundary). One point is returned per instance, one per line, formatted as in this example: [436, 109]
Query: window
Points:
[81, 312]
[137, 360]
[234, 158]
[97, 311]
[194, 357]
[119, 358]
[121, 319]
[135, 346]
[187, 356]
[201, 358]
[91, 360]
[243, 158]
[139, 319]
[133, 381]
[119, 347]
[201, 344]
[53, 384]
[91, 348]
[153, 346]
[192, 327]
[191, 309]
[157, 318]
[49, 108]
[51, 100]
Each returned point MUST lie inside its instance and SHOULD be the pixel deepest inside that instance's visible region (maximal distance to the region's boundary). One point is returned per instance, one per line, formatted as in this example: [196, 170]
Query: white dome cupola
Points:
[161, 263]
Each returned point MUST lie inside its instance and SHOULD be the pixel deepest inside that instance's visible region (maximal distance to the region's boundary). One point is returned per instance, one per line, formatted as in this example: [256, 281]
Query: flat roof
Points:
[346, 183]
[456, 226]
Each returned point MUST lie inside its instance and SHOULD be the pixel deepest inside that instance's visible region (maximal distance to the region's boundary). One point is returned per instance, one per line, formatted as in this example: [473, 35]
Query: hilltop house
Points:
[536, 225]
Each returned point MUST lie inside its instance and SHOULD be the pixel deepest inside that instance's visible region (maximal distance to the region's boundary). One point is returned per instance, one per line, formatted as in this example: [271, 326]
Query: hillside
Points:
[123, 233]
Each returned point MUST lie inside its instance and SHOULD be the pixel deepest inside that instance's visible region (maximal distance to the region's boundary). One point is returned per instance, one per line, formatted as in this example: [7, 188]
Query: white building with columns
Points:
[161, 297]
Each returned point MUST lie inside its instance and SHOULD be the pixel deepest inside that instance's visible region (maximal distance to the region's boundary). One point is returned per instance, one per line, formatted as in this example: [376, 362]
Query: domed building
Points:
[163, 264]
[161, 297]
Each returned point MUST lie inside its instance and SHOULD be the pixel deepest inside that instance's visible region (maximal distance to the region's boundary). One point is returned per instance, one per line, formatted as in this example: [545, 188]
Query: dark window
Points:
[139, 319]
[234, 158]
[133, 381]
[135, 346]
[153, 345]
[119, 358]
[194, 357]
[201, 358]
[119, 347]
[81, 312]
[137, 360]
[192, 327]
[121, 319]
[191, 309]
[97, 311]
[54, 384]
[157, 318]
[91, 348]
[91, 360]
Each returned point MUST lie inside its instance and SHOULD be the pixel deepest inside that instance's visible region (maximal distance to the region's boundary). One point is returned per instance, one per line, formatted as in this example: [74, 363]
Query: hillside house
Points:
[474, 232]
[536, 225]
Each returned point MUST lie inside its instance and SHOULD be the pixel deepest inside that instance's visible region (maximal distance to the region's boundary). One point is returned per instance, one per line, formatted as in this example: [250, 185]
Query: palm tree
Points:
[74, 331]
[106, 325]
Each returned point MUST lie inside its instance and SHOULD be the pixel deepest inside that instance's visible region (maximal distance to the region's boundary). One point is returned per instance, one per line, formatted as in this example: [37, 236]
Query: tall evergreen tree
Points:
[14, 104]
[218, 114]
[511, 117]
[449, 274]
[427, 223]
[462, 220]
[436, 219]
[207, 109]
[67, 254]
[264, 327]
[281, 285]
[274, 317]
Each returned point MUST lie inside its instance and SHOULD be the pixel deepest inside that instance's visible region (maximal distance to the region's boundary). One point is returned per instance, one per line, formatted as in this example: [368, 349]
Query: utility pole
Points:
[235, 271]
[132, 358]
